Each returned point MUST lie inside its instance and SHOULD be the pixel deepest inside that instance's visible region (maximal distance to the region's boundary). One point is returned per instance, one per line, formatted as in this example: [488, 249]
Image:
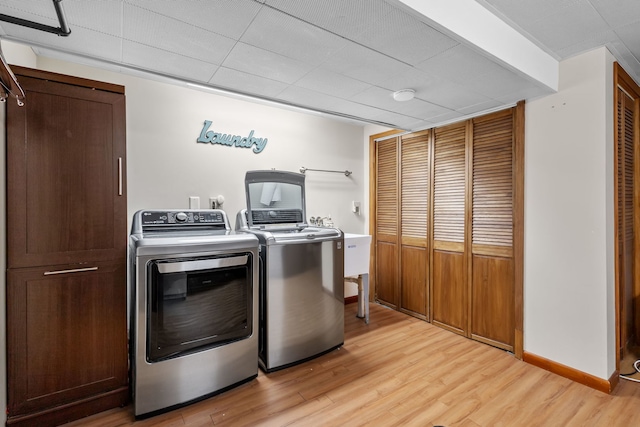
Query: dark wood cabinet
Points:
[66, 258]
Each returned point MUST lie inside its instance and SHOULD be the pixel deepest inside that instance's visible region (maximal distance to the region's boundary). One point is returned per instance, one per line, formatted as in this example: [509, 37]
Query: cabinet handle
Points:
[73, 270]
[119, 176]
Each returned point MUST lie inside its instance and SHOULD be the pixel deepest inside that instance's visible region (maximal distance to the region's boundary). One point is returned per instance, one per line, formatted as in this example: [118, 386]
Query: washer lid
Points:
[275, 197]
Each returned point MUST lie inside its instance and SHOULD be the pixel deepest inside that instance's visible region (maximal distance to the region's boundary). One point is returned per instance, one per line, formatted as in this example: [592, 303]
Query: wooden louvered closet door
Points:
[625, 176]
[414, 186]
[387, 286]
[449, 290]
[492, 262]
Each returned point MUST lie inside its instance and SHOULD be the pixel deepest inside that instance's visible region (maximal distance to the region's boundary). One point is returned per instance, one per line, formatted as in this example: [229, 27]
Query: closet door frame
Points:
[622, 80]
[518, 219]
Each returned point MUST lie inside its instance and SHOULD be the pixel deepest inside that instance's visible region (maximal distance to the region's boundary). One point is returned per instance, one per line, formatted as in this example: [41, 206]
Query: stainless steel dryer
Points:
[194, 313]
[301, 272]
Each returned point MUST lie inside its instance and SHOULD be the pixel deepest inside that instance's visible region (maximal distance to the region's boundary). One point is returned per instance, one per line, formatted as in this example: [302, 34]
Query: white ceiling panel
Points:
[498, 84]
[229, 18]
[383, 99]
[400, 38]
[299, 40]
[305, 97]
[569, 26]
[331, 83]
[345, 18]
[39, 11]
[524, 12]
[630, 36]
[366, 65]
[333, 55]
[458, 64]
[166, 63]
[618, 13]
[242, 82]
[479, 108]
[175, 36]
[267, 64]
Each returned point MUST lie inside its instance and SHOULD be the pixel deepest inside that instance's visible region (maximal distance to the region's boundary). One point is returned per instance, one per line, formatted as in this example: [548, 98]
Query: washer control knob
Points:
[273, 214]
[181, 217]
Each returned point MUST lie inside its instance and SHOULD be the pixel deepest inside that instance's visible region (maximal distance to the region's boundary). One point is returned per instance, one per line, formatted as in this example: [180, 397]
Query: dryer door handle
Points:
[202, 264]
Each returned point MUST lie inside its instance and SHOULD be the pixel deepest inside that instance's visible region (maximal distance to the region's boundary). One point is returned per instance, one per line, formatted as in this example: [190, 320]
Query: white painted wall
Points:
[166, 165]
[569, 313]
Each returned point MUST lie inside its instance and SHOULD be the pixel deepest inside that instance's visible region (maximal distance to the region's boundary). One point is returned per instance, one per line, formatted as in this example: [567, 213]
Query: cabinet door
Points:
[449, 288]
[66, 335]
[414, 209]
[387, 286]
[492, 281]
[65, 175]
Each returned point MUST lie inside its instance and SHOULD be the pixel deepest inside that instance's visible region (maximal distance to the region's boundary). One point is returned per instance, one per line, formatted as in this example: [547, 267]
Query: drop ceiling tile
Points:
[246, 83]
[267, 64]
[353, 109]
[345, 18]
[364, 64]
[449, 117]
[175, 36]
[630, 37]
[166, 63]
[451, 95]
[482, 107]
[330, 83]
[102, 46]
[101, 16]
[399, 121]
[618, 13]
[383, 99]
[435, 90]
[297, 39]
[227, 18]
[37, 11]
[528, 11]
[594, 40]
[307, 98]
[567, 27]
[498, 84]
[406, 38]
[458, 65]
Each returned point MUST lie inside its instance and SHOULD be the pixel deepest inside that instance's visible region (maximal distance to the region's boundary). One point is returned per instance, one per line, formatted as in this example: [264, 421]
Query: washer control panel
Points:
[173, 218]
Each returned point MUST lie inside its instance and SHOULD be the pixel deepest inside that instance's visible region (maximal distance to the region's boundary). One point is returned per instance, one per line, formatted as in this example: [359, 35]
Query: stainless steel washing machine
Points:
[301, 272]
[193, 307]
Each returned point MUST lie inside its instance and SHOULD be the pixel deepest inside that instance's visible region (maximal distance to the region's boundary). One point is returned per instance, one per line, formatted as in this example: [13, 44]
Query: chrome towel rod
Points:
[345, 172]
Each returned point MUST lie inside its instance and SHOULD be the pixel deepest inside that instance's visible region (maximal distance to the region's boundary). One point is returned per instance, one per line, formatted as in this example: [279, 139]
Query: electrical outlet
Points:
[194, 202]
[212, 202]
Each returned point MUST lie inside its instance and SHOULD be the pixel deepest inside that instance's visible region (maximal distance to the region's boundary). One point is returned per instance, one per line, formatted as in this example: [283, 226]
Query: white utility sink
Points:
[357, 251]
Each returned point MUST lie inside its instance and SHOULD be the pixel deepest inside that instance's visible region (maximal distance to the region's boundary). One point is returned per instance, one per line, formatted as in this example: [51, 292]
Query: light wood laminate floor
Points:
[401, 371]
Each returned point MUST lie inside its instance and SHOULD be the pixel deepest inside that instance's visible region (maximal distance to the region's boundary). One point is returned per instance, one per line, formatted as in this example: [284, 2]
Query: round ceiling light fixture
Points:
[404, 95]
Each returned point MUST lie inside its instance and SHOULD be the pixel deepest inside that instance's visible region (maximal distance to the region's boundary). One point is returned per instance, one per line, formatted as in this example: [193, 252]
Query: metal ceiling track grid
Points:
[9, 85]
[62, 30]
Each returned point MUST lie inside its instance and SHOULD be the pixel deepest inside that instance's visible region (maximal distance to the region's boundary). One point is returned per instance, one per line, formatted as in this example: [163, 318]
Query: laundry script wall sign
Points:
[213, 137]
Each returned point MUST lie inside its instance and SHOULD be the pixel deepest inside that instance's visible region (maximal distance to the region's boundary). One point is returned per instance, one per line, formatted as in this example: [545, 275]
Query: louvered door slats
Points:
[387, 189]
[449, 184]
[492, 182]
[415, 186]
